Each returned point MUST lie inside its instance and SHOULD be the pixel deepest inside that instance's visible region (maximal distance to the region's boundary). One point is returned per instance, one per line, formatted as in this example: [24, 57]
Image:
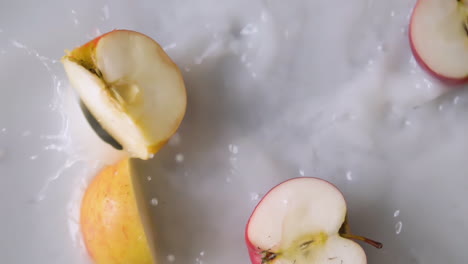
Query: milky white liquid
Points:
[276, 89]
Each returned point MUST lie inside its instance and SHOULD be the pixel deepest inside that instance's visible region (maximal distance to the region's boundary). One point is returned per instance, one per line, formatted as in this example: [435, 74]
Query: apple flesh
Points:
[303, 221]
[132, 87]
[439, 38]
[114, 228]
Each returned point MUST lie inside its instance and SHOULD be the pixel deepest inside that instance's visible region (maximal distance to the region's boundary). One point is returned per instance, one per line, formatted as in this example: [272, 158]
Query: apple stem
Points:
[364, 239]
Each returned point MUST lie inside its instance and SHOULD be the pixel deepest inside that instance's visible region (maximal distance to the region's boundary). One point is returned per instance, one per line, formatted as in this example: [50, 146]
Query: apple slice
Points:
[131, 86]
[439, 38]
[303, 221]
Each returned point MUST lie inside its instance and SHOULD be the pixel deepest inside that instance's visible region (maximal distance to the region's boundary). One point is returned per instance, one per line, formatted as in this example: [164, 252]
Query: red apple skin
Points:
[422, 63]
[255, 253]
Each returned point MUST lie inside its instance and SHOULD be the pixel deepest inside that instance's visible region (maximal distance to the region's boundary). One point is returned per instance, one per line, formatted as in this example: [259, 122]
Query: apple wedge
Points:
[439, 38]
[114, 220]
[303, 221]
[132, 87]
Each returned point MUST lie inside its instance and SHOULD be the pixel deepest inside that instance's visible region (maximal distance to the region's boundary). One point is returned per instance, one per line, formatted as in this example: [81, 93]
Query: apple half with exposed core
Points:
[439, 38]
[131, 87]
[303, 221]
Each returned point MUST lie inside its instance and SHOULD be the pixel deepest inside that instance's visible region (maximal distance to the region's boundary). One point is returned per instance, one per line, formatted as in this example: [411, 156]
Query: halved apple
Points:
[114, 220]
[303, 221]
[439, 38]
[131, 86]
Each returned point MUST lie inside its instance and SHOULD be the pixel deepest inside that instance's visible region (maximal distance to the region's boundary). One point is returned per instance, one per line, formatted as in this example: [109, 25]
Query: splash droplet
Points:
[179, 158]
[398, 227]
[349, 175]
[170, 258]
[233, 149]
[254, 196]
[175, 140]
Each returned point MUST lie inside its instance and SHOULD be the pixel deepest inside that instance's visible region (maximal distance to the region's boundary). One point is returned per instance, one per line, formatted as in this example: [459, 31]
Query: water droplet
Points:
[4, 130]
[26, 133]
[34, 157]
[202, 253]
[456, 100]
[170, 258]
[151, 156]
[179, 158]
[233, 149]
[301, 172]
[285, 201]
[170, 46]
[154, 202]
[228, 179]
[106, 12]
[254, 196]
[249, 29]
[392, 14]
[349, 175]
[441, 107]
[244, 57]
[175, 140]
[148, 178]
[397, 213]
[407, 123]
[398, 227]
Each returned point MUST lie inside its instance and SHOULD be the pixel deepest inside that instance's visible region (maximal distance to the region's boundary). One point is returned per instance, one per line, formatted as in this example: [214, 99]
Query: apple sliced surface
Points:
[439, 38]
[303, 221]
[132, 88]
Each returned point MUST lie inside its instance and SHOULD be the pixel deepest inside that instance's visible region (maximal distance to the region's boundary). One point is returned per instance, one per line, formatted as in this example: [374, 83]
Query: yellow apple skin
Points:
[110, 220]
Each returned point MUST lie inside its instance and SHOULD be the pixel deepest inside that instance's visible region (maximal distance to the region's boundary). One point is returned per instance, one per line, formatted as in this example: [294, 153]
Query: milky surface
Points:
[276, 89]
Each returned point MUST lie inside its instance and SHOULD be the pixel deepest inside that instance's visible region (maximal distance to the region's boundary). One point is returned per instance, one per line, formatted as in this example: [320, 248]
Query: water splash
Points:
[68, 164]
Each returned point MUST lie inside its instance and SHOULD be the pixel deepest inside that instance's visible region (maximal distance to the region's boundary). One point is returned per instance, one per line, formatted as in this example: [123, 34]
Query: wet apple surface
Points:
[275, 90]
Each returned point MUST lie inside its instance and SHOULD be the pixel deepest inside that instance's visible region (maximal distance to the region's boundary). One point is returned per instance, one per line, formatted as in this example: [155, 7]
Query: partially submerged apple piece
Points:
[131, 87]
[439, 38]
[114, 220]
[303, 221]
